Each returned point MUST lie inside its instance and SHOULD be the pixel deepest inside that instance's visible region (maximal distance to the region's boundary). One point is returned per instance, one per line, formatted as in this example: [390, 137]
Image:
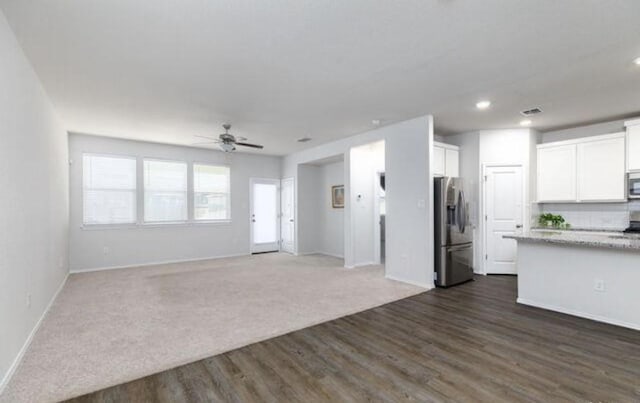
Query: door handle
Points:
[253, 220]
[291, 220]
[518, 225]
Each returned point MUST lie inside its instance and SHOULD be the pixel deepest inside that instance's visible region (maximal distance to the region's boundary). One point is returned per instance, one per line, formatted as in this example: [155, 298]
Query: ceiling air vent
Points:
[531, 112]
[304, 139]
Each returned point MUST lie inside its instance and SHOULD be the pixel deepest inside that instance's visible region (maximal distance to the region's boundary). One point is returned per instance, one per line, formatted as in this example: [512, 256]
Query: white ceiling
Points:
[284, 69]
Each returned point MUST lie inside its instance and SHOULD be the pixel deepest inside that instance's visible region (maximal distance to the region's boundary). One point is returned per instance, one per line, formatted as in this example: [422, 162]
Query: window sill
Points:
[179, 224]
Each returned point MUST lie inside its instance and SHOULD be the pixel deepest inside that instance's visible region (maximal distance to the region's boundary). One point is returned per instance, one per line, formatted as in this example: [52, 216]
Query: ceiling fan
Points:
[228, 142]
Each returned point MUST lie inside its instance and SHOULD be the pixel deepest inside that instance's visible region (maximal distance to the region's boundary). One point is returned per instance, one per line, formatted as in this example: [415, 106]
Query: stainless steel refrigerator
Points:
[453, 233]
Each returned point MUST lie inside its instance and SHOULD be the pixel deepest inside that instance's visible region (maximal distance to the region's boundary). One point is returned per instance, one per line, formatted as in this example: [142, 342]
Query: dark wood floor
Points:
[468, 343]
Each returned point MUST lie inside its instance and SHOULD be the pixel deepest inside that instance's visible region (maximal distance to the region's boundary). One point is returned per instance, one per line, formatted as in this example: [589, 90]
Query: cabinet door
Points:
[601, 170]
[633, 147]
[557, 173]
[438, 161]
[451, 163]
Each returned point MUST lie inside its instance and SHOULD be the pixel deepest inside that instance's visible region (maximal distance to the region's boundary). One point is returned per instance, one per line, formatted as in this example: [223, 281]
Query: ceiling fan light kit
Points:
[228, 142]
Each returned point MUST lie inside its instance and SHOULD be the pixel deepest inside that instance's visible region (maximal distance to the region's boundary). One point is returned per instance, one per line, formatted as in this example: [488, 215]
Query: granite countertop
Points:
[611, 239]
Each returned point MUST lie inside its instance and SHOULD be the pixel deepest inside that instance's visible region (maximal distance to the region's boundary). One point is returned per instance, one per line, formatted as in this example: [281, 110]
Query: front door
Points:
[265, 209]
[287, 212]
[503, 216]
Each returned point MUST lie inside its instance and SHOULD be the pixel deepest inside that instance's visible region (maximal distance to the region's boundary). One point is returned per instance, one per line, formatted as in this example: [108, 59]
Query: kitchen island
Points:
[594, 275]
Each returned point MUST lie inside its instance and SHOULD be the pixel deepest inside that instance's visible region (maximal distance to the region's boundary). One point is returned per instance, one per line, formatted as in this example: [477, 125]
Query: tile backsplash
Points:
[607, 216]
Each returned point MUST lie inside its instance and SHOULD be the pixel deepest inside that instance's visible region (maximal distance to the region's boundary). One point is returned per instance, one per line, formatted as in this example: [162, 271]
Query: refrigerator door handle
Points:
[462, 213]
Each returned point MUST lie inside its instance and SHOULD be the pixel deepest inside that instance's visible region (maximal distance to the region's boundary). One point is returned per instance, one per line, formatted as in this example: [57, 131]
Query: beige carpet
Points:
[114, 326]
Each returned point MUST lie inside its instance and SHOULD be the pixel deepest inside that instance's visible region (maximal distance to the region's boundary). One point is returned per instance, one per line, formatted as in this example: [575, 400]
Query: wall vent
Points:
[530, 112]
[304, 139]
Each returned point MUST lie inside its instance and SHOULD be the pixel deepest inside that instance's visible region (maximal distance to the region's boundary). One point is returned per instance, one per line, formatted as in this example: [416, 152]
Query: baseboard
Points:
[353, 266]
[16, 362]
[416, 283]
[572, 312]
[156, 263]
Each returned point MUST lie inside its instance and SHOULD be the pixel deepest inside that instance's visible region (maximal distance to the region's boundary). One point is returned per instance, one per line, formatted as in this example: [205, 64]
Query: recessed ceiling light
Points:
[375, 122]
[525, 122]
[483, 104]
[637, 61]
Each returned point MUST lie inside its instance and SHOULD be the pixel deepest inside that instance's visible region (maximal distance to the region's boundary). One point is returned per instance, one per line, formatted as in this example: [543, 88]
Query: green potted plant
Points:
[552, 220]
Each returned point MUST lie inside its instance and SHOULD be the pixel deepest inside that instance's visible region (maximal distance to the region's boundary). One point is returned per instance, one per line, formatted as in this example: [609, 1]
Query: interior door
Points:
[287, 213]
[503, 216]
[265, 210]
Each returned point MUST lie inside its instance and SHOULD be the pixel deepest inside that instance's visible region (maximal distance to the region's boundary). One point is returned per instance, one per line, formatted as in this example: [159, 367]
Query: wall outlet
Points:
[598, 285]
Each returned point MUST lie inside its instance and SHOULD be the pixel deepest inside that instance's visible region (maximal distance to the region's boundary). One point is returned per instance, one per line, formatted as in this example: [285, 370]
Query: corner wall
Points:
[34, 211]
[102, 247]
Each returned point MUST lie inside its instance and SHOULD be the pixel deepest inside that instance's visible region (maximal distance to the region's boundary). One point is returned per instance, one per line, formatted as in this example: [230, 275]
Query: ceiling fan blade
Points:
[249, 145]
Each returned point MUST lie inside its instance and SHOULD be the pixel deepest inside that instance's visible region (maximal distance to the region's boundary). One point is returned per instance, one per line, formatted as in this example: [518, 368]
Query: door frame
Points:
[483, 217]
[253, 181]
[293, 241]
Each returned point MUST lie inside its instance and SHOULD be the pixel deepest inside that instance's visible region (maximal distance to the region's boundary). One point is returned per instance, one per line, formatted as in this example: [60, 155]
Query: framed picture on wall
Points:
[337, 196]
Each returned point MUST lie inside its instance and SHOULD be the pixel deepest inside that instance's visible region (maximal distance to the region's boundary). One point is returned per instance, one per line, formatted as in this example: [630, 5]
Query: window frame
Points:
[188, 192]
[135, 190]
[193, 194]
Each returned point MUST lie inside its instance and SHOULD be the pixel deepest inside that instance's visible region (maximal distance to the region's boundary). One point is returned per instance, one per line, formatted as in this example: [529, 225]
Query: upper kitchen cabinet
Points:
[601, 169]
[633, 145]
[557, 173]
[590, 169]
[445, 160]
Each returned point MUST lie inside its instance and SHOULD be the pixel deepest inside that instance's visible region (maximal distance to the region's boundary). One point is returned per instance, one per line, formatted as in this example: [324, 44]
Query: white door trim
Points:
[482, 218]
[293, 196]
[252, 181]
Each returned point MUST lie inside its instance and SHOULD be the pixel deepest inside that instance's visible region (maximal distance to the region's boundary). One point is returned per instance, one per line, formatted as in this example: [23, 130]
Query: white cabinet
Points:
[451, 162]
[557, 173]
[601, 170]
[590, 169]
[633, 145]
[445, 160]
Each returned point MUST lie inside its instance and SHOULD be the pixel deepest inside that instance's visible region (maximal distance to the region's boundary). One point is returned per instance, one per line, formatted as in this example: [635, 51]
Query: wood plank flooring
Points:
[469, 343]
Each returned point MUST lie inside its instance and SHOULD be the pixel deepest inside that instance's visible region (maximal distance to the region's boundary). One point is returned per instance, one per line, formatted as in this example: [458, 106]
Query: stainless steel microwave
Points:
[634, 185]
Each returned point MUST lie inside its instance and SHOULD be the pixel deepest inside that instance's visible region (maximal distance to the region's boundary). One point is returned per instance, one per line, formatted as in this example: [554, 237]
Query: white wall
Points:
[34, 211]
[410, 213]
[332, 219]
[146, 244]
[365, 163]
[308, 207]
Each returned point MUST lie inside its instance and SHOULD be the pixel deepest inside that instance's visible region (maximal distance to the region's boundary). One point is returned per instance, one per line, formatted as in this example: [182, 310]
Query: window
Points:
[108, 189]
[211, 192]
[165, 191]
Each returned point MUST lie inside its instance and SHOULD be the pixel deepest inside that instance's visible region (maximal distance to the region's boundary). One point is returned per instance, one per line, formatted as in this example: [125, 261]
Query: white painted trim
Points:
[16, 362]
[597, 318]
[581, 140]
[416, 283]
[362, 264]
[632, 122]
[446, 146]
[157, 263]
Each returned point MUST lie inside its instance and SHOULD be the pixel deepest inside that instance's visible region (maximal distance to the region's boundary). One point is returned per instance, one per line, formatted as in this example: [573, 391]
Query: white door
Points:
[265, 209]
[287, 213]
[504, 215]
